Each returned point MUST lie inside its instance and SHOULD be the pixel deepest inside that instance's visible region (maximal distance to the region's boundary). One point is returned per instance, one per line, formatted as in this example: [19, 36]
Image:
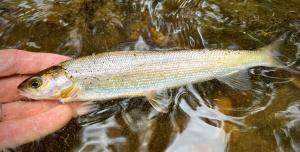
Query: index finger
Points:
[14, 61]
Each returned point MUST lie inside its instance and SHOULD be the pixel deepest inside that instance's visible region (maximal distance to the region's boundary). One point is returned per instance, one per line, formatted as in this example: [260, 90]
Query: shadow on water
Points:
[207, 116]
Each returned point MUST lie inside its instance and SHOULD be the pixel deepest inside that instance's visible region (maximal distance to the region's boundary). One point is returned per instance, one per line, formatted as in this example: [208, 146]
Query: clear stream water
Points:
[207, 116]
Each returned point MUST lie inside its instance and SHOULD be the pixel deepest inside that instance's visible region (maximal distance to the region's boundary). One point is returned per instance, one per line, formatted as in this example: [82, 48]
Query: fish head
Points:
[53, 83]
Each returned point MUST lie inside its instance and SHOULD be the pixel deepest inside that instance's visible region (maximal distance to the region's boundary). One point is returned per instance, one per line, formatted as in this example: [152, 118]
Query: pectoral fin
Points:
[238, 80]
[160, 100]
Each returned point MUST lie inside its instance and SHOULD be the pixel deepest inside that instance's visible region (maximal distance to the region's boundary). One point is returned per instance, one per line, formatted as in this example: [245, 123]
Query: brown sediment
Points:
[224, 105]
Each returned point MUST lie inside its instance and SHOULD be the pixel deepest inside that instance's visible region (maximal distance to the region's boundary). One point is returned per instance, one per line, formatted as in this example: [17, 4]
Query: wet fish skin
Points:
[132, 73]
[143, 73]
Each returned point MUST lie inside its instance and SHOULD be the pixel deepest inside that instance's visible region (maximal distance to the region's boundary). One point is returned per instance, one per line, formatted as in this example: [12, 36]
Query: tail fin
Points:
[273, 50]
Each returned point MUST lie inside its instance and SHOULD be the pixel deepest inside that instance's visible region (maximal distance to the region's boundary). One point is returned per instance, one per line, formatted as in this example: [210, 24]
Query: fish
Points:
[122, 74]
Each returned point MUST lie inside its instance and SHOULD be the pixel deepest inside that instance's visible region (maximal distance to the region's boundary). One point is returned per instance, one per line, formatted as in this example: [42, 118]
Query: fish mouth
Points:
[26, 97]
[22, 85]
[23, 94]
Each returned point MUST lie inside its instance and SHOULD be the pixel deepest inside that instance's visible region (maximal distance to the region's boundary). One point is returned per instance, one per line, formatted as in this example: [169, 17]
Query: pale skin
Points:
[25, 121]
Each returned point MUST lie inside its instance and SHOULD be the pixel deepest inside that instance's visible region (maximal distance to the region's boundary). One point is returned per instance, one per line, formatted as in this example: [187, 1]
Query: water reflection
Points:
[96, 138]
[207, 116]
[287, 136]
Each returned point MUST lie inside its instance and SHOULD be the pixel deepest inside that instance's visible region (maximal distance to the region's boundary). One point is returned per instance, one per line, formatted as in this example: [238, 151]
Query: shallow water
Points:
[207, 116]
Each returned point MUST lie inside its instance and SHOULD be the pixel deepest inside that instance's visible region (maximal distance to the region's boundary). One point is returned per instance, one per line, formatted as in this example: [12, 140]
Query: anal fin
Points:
[160, 100]
[237, 80]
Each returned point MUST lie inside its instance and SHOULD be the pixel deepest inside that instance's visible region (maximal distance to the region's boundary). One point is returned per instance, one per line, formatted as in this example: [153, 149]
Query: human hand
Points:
[22, 122]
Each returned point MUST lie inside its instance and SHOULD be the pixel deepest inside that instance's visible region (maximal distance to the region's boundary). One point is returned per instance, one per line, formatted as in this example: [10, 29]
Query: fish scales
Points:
[129, 73]
[146, 73]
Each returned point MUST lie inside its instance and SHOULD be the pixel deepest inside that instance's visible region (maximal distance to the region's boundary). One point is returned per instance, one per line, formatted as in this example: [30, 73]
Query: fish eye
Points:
[36, 82]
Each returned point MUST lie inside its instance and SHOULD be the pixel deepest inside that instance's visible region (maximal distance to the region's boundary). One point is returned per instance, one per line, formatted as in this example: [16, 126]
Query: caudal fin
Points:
[274, 48]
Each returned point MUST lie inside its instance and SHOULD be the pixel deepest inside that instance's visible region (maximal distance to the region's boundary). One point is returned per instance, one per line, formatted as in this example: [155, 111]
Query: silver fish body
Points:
[145, 73]
[134, 73]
